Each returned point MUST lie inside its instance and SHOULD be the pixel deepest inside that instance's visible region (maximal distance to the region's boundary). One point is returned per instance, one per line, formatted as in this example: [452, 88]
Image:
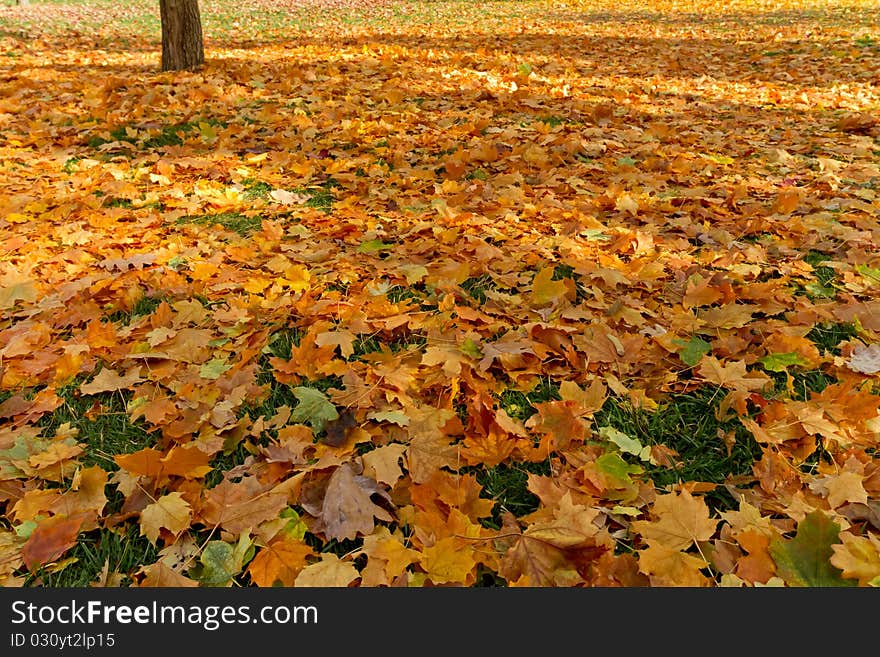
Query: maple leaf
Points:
[388, 550]
[187, 461]
[805, 560]
[757, 565]
[158, 575]
[108, 380]
[329, 572]
[170, 512]
[237, 507]
[533, 562]
[865, 359]
[858, 557]
[733, 375]
[670, 567]
[383, 463]
[217, 564]
[561, 421]
[572, 525]
[681, 521]
[314, 408]
[448, 561]
[348, 509]
[546, 291]
[50, 539]
[21, 290]
[279, 562]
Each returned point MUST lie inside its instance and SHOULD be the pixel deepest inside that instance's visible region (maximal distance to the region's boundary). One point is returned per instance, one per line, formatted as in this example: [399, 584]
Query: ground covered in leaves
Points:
[539, 293]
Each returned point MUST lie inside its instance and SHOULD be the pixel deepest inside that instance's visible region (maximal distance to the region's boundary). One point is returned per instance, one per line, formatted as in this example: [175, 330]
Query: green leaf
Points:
[25, 529]
[815, 290]
[213, 368]
[692, 350]
[623, 441]
[805, 560]
[869, 273]
[471, 348]
[372, 246]
[399, 418]
[779, 362]
[313, 409]
[617, 474]
[295, 527]
[217, 564]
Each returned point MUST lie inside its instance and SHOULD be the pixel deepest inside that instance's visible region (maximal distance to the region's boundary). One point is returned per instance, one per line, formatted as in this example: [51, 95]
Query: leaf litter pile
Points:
[441, 294]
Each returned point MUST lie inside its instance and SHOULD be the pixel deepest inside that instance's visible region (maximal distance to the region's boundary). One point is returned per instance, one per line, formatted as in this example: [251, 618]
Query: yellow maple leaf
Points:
[330, 571]
[681, 521]
[858, 557]
[449, 561]
[170, 512]
[669, 567]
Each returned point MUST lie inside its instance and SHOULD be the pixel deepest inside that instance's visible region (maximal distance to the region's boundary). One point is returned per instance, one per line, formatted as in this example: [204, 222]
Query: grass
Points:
[507, 485]
[236, 222]
[687, 423]
[103, 424]
[142, 307]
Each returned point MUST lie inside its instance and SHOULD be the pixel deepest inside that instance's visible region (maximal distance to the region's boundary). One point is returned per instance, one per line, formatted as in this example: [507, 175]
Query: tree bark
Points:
[182, 45]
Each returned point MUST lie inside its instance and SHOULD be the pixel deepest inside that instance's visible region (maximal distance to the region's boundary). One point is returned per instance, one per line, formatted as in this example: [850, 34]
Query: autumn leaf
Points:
[313, 409]
[670, 567]
[733, 375]
[857, 557]
[329, 572]
[158, 575]
[545, 290]
[170, 512]
[680, 521]
[50, 539]
[279, 562]
[348, 508]
[448, 560]
[109, 381]
[217, 564]
[240, 506]
[805, 560]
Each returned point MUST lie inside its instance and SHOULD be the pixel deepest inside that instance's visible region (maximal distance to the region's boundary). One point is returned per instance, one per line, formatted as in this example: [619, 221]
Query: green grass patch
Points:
[477, 286]
[142, 307]
[507, 485]
[232, 221]
[123, 553]
[170, 135]
[827, 336]
[320, 198]
[803, 383]
[103, 423]
[687, 424]
[255, 189]
[520, 405]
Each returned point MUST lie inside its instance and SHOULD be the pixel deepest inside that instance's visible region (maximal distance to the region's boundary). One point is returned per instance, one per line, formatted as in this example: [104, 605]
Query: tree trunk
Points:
[182, 46]
[22, 2]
